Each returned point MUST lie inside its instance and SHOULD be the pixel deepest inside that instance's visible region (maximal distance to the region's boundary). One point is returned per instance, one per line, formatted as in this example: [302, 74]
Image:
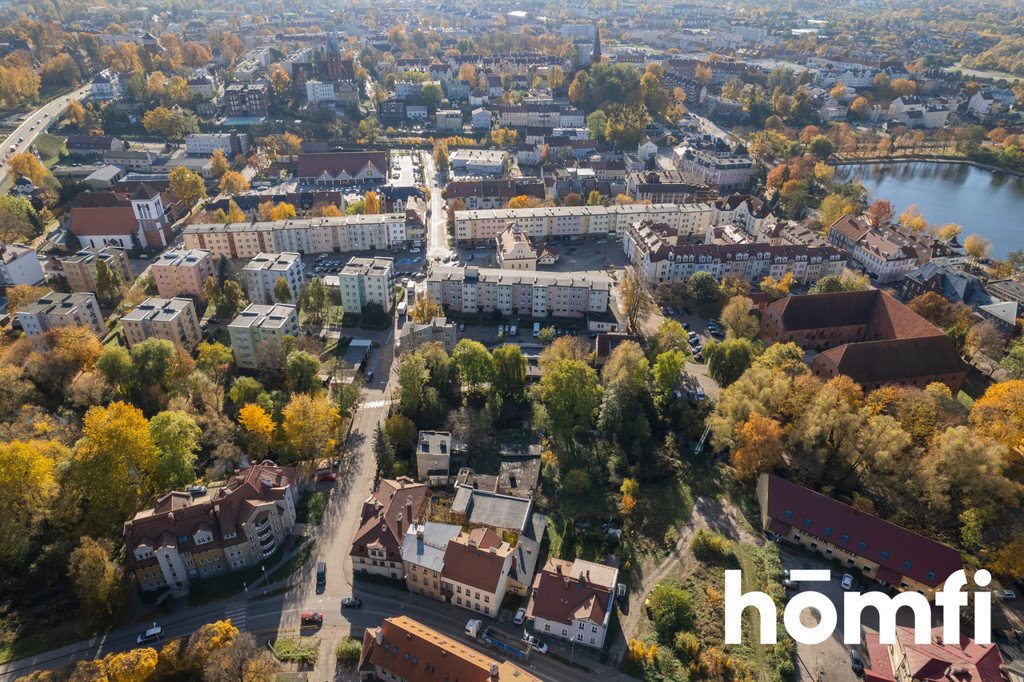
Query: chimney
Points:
[380, 636]
[398, 523]
[419, 532]
[408, 507]
[494, 670]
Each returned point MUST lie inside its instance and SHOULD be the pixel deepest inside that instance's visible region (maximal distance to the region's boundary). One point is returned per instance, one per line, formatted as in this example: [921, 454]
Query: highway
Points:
[27, 131]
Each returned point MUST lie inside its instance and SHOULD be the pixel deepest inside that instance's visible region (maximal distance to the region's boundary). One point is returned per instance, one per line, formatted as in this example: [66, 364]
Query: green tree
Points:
[151, 359]
[215, 360]
[282, 292]
[246, 390]
[473, 362]
[412, 379]
[115, 364]
[670, 609]
[1013, 361]
[702, 286]
[301, 370]
[597, 124]
[96, 578]
[668, 368]
[176, 437]
[108, 281]
[314, 299]
[821, 147]
[570, 394]
[729, 359]
[787, 358]
[738, 318]
[383, 452]
[509, 379]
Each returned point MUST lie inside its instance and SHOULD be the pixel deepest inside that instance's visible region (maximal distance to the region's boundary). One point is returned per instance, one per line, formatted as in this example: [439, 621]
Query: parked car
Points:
[847, 582]
[154, 634]
[197, 490]
[520, 616]
[700, 393]
[326, 477]
[538, 646]
[856, 663]
[1007, 594]
[321, 575]
[351, 603]
[312, 618]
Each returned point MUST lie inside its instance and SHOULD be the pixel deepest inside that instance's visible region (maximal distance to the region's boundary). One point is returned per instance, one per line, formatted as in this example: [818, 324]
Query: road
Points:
[46, 115]
[437, 233]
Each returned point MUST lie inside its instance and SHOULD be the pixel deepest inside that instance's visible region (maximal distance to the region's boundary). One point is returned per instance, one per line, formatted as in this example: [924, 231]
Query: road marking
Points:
[377, 403]
[237, 615]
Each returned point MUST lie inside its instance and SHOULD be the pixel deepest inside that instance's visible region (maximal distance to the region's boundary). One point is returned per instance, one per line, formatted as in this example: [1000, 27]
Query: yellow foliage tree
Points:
[219, 163]
[75, 113]
[27, 165]
[524, 201]
[777, 288]
[311, 425]
[282, 211]
[371, 203]
[291, 143]
[999, 414]
[208, 639]
[758, 446]
[326, 211]
[135, 665]
[27, 485]
[424, 310]
[233, 183]
[234, 214]
[259, 427]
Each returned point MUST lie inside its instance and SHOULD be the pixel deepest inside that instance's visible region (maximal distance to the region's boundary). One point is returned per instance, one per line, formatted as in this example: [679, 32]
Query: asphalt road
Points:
[437, 232]
[28, 130]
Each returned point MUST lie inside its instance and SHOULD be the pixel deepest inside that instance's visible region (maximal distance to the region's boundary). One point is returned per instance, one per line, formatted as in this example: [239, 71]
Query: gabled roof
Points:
[337, 163]
[961, 661]
[886, 544]
[386, 514]
[579, 590]
[892, 360]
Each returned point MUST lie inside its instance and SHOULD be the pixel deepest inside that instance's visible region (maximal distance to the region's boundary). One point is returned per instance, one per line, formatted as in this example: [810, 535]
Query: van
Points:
[536, 329]
[321, 575]
[513, 331]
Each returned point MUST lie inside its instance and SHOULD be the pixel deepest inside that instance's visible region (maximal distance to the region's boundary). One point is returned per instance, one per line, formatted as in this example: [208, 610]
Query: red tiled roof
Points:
[961, 661]
[562, 593]
[888, 361]
[312, 165]
[379, 521]
[905, 552]
[477, 559]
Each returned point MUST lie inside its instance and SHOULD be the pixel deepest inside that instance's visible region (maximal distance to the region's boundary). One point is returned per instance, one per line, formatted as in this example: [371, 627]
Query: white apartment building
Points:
[529, 293]
[259, 323]
[478, 161]
[62, 310]
[302, 235]
[205, 144]
[577, 222]
[320, 91]
[172, 319]
[262, 272]
[19, 264]
[367, 280]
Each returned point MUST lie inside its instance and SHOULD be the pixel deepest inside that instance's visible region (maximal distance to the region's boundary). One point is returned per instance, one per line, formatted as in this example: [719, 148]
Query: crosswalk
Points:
[237, 615]
[376, 403]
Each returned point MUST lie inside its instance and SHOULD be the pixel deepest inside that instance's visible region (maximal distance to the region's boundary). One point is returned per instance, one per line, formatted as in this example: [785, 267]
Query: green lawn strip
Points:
[296, 649]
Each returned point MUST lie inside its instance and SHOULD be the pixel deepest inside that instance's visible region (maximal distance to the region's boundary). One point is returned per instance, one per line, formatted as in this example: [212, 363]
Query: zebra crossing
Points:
[377, 403]
[237, 615]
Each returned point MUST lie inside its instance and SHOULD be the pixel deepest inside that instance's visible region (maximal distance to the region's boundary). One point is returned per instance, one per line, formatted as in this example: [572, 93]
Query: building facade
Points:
[183, 273]
[259, 323]
[515, 252]
[367, 280]
[532, 294]
[19, 264]
[172, 319]
[573, 600]
[476, 570]
[386, 517]
[62, 310]
[262, 272]
[80, 268]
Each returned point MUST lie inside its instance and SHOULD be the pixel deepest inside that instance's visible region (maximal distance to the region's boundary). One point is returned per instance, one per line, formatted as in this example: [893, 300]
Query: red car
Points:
[312, 618]
[326, 477]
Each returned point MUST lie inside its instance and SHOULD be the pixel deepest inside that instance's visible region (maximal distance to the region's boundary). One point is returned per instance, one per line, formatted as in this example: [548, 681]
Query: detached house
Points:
[572, 600]
[386, 517]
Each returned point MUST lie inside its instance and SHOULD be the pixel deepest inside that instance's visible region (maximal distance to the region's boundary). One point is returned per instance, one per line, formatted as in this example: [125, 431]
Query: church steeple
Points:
[595, 56]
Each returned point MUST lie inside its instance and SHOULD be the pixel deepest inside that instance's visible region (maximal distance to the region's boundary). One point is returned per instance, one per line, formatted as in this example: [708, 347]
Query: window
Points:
[931, 575]
[828, 532]
[862, 546]
[789, 514]
[906, 565]
[846, 538]
[885, 555]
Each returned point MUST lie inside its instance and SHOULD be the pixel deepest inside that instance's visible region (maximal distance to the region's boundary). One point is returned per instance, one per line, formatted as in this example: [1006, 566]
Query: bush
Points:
[576, 482]
[708, 545]
[670, 609]
[687, 646]
[348, 652]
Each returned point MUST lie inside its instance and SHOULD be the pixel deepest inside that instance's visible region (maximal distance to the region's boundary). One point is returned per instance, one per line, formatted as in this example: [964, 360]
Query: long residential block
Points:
[531, 293]
[575, 222]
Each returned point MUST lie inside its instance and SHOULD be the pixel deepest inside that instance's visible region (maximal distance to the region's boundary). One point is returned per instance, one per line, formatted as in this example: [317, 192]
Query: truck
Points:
[498, 639]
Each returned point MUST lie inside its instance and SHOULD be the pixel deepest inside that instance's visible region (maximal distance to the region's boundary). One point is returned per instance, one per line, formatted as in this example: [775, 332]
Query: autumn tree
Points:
[75, 113]
[311, 425]
[95, 577]
[738, 318]
[233, 182]
[833, 207]
[635, 299]
[570, 395]
[371, 203]
[187, 185]
[258, 427]
[280, 81]
[27, 165]
[219, 164]
[134, 665]
[758, 447]
[424, 310]
[176, 437]
[108, 281]
[524, 201]
[283, 211]
[880, 213]
[27, 486]
[977, 247]
[563, 348]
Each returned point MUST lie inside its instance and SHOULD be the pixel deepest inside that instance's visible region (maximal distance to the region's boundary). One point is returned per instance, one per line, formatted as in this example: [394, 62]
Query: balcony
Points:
[263, 535]
[260, 526]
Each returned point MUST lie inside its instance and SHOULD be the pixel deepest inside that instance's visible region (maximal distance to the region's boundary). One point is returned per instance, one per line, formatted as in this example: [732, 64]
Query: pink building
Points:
[182, 273]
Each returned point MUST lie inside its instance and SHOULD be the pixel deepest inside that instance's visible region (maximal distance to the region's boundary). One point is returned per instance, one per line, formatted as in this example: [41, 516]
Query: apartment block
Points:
[656, 249]
[259, 323]
[172, 319]
[423, 551]
[262, 272]
[205, 144]
[80, 268]
[62, 310]
[533, 294]
[246, 99]
[302, 235]
[578, 222]
[184, 539]
[183, 273]
[367, 280]
[19, 264]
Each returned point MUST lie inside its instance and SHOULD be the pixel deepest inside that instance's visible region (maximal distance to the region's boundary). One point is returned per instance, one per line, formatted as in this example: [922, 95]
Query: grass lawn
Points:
[50, 147]
[221, 586]
[296, 649]
[67, 631]
[311, 507]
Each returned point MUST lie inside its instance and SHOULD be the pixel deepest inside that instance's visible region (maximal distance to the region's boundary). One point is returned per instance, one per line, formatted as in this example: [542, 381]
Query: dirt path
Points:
[721, 516]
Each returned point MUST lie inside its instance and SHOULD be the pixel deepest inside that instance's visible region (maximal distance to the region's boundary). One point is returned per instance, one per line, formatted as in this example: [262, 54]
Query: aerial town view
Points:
[500, 342]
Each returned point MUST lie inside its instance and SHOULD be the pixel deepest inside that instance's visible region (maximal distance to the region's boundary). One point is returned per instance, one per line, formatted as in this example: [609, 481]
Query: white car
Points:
[154, 634]
[520, 616]
[847, 582]
[1007, 595]
[538, 646]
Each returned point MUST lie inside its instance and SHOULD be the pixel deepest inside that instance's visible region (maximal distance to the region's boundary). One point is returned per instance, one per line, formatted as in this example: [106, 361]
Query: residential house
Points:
[412, 335]
[239, 525]
[487, 194]
[667, 187]
[19, 264]
[476, 570]
[259, 323]
[515, 252]
[478, 161]
[247, 100]
[423, 551]
[205, 144]
[873, 547]
[385, 518]
[92, 145]
[907, 661]
[334, 169]
[433, 457]
[183, 273]
[262, 273]
[529, 293]
[367, 280]
[574, 601]
[80, 268]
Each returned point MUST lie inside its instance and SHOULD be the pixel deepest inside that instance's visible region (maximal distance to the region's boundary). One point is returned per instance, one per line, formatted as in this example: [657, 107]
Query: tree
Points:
[833, 207]
[115, 364]
[424, 310]
[702, 286]
[635, 299]
[282, 292]
[114, 464]
[108, 281]
[259, 428]
[570, 394]
[594, 198]
[173, 124]
[880, 213]
[524, 201]
[151, 359]
[670, 609]
[977, 247]
[215, 360]
[848, 281]
[575, 199]
[401, 433]
[1013, 361]
[280, 81]
[371, 203]
[233, 183]
[134, 665]
[509, 376]
[738, 318]
[729, 359]
[597, 124]
[999, 414]
[95, 577]
[219, 164]
[556, 77]
[75, 113]
[27, 486]
[785, 358]
[758, 447]
[187, 185]
[176, 437]
[668, 367]
[283, 211]
[627, 124]
[27, 165]
[563, 348]
[207, 640]
[412, 378]
[311, 425]
[473, 362]
[241, 659]
[302, 371]
[821, 147]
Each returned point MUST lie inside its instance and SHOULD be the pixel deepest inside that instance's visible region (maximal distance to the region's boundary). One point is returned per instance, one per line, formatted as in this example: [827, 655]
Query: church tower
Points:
[595, 56]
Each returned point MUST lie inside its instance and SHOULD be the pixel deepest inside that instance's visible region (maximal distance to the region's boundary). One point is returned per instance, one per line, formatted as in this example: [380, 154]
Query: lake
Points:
[990, 203]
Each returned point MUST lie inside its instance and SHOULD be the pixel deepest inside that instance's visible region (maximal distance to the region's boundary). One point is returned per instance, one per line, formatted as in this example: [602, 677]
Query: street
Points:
[437, 232]
[25, 134]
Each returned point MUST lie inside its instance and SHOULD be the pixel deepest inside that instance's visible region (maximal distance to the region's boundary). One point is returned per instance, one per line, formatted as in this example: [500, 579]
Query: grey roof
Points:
[527, 549]
[492, 509]
[956, 286]
[1004, 310]
[428, 551]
